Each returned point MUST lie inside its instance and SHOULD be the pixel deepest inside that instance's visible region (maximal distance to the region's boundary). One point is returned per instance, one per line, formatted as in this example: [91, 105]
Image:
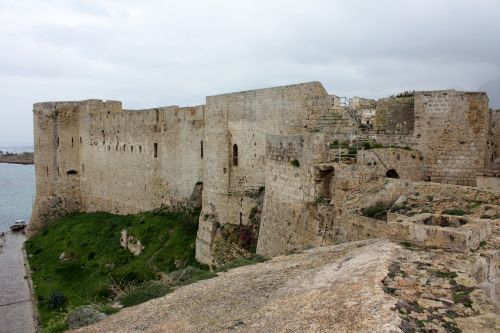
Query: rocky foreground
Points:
[367, 286]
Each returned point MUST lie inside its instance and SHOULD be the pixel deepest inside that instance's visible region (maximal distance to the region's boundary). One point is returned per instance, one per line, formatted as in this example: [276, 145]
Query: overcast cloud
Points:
[156, 53]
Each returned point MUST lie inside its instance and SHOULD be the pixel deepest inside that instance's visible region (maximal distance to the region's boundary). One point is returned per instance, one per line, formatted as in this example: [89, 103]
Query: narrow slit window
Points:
[201, 148]
[132, 149]
[72, 143]
[235, 155]
[140, 149]
[155, 148]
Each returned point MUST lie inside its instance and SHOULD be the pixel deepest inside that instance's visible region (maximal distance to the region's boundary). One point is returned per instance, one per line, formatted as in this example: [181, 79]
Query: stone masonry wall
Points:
[57, 159]
[143, 181]
[291, 217]
[243, 120]
[394, 116]
[407, 163]
[94, 156]
[452, 130]
[495, 115]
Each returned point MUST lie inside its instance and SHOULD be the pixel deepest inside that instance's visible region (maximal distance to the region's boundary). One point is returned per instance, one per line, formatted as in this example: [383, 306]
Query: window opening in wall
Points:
[83, 168]
[132, 149]
[80, 140]
[241, 218]
[71, 172]
[58, 170]
[201, 148]
[323, 180]
[47, 169]
[155, 148]
[72, 142]
[157, 116]
[391, 173]
[57, 141]
[109, 148]
[140, 149]
[235, 155]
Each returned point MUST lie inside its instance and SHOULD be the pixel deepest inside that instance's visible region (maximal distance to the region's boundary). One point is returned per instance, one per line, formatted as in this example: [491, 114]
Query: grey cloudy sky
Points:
[155, 53]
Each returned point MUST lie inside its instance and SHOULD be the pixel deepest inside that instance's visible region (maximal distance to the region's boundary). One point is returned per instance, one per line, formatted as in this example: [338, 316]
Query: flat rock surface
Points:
[330, 289]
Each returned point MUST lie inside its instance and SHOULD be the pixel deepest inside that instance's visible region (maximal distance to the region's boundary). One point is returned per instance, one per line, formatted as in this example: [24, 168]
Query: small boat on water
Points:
[18, 225]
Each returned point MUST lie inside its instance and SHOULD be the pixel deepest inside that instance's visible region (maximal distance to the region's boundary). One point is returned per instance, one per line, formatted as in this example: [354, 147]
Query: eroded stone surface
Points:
[331, 289]
[367, 286]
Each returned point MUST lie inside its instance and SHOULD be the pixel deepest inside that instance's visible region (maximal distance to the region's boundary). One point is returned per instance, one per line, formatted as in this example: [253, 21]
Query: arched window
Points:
[235, 155]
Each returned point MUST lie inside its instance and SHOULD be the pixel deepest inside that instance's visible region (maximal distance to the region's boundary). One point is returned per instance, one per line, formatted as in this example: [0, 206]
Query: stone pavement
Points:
[16, 307]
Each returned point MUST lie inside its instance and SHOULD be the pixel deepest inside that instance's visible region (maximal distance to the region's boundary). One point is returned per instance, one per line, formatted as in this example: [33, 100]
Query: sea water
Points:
[17, 192]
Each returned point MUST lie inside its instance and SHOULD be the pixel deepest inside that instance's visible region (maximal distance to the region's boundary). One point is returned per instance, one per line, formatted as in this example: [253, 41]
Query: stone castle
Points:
[275, 170]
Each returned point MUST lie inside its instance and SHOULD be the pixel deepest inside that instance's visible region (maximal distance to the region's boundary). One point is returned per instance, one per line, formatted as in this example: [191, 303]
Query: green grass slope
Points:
[97, 262]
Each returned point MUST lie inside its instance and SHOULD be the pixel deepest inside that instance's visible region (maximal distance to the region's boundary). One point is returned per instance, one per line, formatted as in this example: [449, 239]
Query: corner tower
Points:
[57, 161]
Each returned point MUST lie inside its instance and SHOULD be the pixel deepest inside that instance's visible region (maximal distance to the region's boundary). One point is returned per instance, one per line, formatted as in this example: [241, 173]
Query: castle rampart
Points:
[283, 158]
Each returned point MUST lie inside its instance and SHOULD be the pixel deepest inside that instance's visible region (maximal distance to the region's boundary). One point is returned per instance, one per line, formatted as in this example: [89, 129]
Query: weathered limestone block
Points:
[130, 243]
[441, 231]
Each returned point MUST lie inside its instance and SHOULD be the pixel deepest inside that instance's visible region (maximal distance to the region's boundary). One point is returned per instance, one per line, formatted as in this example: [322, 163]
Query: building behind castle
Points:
[282, 168]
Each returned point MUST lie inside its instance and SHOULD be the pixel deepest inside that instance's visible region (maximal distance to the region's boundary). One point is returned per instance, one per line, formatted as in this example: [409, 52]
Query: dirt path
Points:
[16, 307]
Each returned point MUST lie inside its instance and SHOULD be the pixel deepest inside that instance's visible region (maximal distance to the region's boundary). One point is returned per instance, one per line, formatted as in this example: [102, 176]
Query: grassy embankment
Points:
[98, 271]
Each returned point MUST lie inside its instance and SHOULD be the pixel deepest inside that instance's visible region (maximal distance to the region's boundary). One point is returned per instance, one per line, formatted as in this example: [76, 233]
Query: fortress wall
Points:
[290, 218]
[122, 174]
[57, 158]
[495, 119]
[125, 161]
[244, 119]
[110, 156]
[452, 130]
[394, 116]
[252, 115]
[407, 163]
[396, 140]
